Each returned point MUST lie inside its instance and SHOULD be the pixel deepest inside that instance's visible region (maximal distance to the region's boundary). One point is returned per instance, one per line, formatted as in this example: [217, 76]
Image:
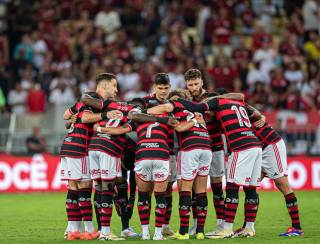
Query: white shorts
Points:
[244, 167]
[103, 166]
[217, 164]
[75, 169]
[193, 163]
[274, 160]
[172, 169]
[152, 170]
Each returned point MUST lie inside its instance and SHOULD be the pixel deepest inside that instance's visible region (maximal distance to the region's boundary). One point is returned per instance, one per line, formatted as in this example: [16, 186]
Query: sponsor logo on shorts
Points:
[69, 173]
[142, 176]
[62, 172]
[248, 179]
[204, 168]
[194, 172]
[159, 175]
[95, 172]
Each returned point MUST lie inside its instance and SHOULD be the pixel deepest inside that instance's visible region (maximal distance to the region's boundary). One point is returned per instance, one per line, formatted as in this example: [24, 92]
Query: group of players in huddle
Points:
[107, 139]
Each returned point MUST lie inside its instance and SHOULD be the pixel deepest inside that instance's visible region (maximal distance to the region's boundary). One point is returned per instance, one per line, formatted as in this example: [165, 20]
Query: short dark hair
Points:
[192, 74]
[140, 102]
[162, 79]
[105, 76]
[221, 91]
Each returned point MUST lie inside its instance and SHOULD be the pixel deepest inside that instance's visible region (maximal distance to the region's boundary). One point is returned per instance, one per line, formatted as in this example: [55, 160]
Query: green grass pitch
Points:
[40, 218]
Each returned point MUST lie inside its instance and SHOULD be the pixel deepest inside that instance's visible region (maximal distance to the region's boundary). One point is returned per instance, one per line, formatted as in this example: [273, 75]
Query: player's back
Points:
[152, 141]
[76, 142]
[111, 144]
[235, 121]
[197, 137]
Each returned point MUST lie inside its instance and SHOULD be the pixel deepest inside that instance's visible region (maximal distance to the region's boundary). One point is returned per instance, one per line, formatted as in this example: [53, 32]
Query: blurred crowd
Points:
[51, 50]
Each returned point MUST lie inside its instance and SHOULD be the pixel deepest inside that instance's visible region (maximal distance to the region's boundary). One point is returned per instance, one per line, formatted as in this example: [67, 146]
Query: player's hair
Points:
[221, 91]
[104, 77]
[192, 74]
[161, 79]
[138, 102]
[180, 93]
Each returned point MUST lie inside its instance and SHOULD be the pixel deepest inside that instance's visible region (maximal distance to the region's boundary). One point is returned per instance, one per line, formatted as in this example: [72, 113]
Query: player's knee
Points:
[72, 185]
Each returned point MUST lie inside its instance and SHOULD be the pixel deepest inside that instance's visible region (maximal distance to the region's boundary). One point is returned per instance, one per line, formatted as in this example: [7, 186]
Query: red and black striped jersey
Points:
[234, 119]
[76, 142]
[112, 144]
[214, 129]
[197, 137]
[152, 141]
[171, 140]
[266, 134]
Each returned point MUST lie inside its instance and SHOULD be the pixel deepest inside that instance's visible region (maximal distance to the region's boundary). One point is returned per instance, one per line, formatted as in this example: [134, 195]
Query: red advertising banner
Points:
[41, 173]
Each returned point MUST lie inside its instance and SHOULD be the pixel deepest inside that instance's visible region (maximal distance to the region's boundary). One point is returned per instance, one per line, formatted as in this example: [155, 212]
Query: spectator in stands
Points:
[176, 77]
[62, 95]
[296, 102]
[259, 98]
[17, 99]
[266, 56]
[109, 20]
[255, 74]
[311, 17]
[36, 98]
[312, 47]
[39, 48]
[23, 50]
[293, 74]
[279, 87]
[223, 74]
[128, 79]
[35, 142]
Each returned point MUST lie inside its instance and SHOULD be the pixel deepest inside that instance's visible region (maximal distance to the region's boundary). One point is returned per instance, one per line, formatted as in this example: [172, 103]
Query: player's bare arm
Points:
[184, 126]
[161, 109]
[146, 118]
[91, 101]
[67, 114]
[71, 121]
[113, 130]
[259, 119]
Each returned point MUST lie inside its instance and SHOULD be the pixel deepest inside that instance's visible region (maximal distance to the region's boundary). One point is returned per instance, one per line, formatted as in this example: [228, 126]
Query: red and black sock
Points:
[160, 208]
[202, 209]
[72, 207]
[218, 199]
[194, 204]
[97, 206]
[143, 208]
[231, 202]
[85, 204]
[251, 203]
[184, 211]
[106, 207]
[168, 209]
[292, 205]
